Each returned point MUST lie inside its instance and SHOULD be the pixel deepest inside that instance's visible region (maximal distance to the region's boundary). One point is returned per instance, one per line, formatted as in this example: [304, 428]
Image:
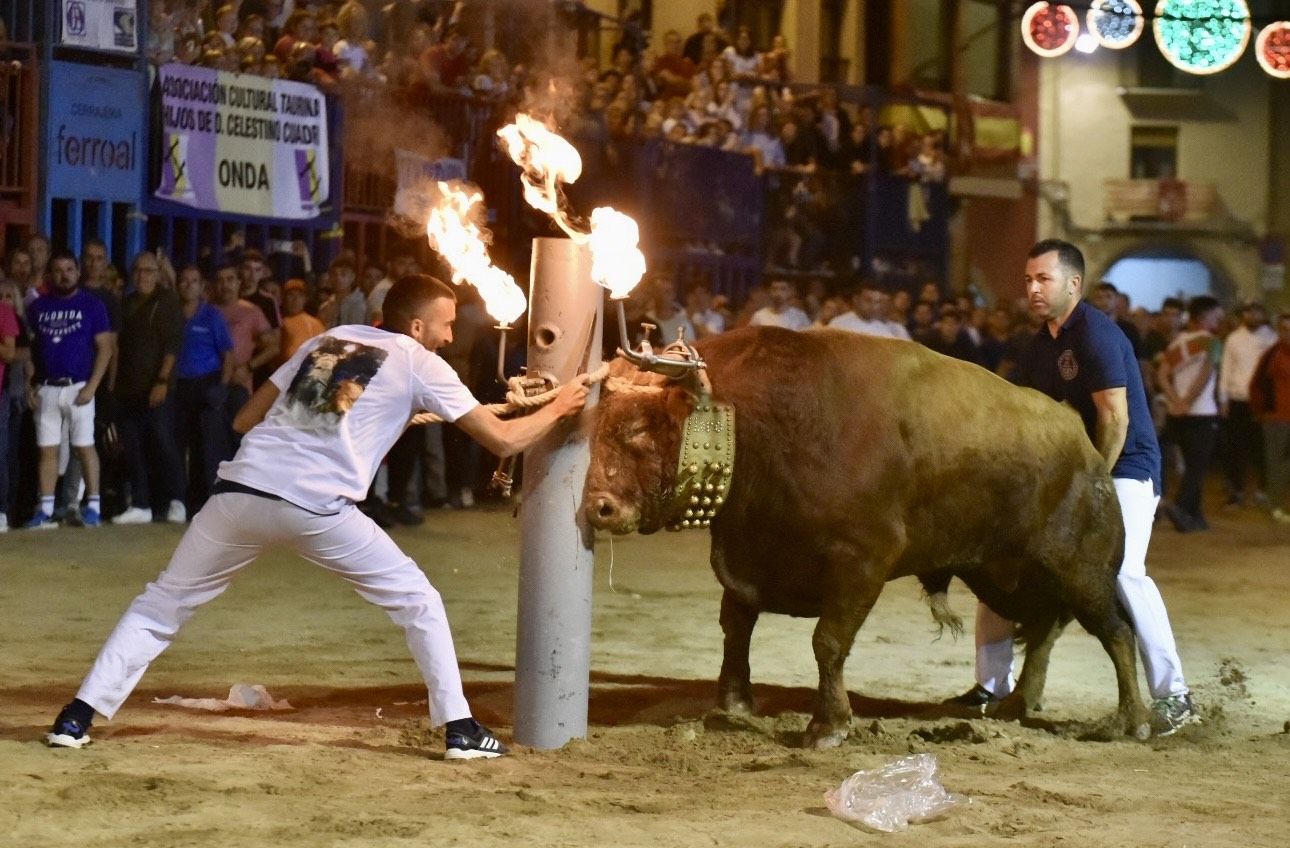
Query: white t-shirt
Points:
[856, 324]
[376, 299]
[346, 397]
[791, 318]
[1187, 355]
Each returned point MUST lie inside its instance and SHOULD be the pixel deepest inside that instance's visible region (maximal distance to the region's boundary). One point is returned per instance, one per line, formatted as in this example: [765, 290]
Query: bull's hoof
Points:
[821, 736]
[1137, 724]
[1010, 708]
[736, 703]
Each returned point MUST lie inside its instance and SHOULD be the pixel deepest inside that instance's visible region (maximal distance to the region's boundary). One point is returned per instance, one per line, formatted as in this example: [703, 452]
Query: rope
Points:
[517, 400]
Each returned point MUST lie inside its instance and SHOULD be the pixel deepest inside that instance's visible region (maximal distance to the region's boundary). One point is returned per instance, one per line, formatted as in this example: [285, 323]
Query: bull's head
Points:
[634, 450]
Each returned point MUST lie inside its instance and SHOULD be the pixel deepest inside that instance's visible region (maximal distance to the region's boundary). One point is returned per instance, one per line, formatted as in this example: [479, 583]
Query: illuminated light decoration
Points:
[1202, 36]
[1085, 43]
[1050, 29]
[1272, 49]
[1116, 24]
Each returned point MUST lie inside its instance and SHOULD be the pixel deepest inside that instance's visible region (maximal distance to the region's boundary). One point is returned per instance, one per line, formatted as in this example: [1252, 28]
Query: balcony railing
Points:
[1162, 201]
[19, 114]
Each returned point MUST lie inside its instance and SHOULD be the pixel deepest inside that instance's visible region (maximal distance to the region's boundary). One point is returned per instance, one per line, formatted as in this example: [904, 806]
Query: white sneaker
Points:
[134, 515]
[178, 513]
[467, 498]
[4, 523]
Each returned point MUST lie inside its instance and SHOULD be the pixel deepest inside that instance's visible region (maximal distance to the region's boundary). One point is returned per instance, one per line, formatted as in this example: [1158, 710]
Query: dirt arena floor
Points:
[355, 763]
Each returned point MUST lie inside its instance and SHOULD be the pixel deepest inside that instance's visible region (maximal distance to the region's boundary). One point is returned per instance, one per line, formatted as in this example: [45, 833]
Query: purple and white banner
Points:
[242, 144]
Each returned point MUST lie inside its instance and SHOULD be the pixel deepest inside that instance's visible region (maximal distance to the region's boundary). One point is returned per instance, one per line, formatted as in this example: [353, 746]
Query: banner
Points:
[417, 175]
[101, 24]
[94, 136]
[242, 144]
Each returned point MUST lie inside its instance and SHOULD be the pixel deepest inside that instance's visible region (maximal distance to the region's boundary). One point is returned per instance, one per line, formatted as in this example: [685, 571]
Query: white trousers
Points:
[225, 537]
[1137, 592]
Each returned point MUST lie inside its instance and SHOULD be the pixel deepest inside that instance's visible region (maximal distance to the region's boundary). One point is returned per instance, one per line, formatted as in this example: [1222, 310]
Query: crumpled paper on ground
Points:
[241, 696]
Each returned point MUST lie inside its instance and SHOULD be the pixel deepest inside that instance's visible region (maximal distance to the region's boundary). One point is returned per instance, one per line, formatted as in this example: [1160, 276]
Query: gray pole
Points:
[553, 634]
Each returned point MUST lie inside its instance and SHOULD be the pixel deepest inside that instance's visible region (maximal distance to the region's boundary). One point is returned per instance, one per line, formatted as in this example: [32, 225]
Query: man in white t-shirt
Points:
[315, 435]
[1189, 377]
[781, 312]
[866, 315]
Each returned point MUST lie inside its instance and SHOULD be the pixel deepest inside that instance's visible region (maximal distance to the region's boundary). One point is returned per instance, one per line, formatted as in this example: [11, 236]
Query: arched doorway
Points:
[1149, 274]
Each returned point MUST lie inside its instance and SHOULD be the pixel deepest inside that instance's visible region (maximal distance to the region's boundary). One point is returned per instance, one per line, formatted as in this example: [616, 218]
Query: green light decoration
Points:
[1202, 36]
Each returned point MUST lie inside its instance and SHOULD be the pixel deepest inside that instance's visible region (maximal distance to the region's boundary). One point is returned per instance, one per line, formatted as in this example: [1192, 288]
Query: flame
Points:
[452, 231]
[548, 160]
[616, 261]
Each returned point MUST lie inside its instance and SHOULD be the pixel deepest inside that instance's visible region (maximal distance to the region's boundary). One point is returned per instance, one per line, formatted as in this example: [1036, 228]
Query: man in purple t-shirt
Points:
[72, 341]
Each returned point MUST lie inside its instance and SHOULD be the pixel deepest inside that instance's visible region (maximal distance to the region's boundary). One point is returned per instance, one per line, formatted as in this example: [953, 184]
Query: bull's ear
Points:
[679, 400]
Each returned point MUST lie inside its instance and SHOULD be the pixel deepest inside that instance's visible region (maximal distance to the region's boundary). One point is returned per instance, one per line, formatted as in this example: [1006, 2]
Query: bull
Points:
[861, 460]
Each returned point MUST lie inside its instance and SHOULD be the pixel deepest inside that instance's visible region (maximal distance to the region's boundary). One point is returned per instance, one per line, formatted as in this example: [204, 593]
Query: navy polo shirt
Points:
[1091, 354]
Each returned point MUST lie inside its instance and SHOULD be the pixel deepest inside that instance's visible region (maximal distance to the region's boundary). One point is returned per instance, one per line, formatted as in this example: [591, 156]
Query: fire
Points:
[454, 233]
[616, 261]
[547, 161]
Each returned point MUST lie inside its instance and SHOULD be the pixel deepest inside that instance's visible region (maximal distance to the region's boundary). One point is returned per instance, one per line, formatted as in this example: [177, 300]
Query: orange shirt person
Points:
[298, 326]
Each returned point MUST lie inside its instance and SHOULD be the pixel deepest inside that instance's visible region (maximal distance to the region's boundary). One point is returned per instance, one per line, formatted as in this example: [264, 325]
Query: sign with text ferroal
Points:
[242, 144]
[95, 136]
[101, 24]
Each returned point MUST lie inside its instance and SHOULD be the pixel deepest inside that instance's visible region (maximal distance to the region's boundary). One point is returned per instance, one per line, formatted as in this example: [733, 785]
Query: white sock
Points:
[47, 504]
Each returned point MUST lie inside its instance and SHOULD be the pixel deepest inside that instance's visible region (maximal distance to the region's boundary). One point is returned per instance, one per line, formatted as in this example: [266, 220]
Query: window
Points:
[1153, 152]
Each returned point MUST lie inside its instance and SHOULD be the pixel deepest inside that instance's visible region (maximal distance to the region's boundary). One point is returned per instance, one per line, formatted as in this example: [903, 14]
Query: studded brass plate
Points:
[706, 465]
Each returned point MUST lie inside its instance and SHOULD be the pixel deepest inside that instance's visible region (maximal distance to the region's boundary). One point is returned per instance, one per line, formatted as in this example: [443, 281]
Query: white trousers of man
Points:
[225, 537]
[1137, 592]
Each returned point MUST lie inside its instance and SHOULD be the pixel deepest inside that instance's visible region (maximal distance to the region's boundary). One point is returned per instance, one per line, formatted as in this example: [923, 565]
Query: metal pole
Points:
[553, 632]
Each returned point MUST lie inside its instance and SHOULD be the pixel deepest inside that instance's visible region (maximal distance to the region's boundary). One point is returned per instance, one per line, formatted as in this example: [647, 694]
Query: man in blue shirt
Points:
[72, 345]
[1080, 357]
[205, 370]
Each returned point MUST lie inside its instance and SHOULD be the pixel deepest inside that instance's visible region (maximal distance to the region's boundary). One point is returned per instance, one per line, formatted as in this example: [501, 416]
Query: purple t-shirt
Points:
[63, 330]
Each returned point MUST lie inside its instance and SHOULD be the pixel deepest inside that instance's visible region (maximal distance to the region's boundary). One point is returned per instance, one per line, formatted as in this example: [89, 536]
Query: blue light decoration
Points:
[1202, 36]
[1116, 24]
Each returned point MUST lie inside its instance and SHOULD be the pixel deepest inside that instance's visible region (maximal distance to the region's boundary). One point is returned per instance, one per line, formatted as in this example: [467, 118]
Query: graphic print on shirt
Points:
[330, 381]
[56, 324]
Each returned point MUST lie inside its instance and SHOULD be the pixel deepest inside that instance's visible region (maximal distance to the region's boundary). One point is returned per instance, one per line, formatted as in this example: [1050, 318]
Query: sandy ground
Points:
[355, 763]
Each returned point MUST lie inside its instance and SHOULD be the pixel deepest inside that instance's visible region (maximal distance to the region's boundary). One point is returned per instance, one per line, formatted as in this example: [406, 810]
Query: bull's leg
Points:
[845, 609]
[734, 686]
[1040, 635]
[1099, 612]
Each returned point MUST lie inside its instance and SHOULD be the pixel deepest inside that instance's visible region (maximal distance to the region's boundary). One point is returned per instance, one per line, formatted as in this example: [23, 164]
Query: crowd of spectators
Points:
[181, 350]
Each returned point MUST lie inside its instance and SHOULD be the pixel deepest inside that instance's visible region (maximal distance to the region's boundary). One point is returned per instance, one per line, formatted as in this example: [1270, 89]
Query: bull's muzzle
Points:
[606, 512]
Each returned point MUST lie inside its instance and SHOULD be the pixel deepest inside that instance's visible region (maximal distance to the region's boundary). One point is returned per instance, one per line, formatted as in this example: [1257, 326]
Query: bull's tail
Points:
[936, 587]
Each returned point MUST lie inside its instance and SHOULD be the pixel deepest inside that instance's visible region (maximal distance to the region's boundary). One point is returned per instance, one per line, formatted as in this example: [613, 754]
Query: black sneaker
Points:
[977, 698]
[67, 732]
[1171, 714]
[406, 516]
[478, 743]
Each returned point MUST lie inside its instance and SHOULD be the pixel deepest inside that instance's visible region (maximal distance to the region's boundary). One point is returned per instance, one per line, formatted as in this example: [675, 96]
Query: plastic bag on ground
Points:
[888, 799]
[241, 696]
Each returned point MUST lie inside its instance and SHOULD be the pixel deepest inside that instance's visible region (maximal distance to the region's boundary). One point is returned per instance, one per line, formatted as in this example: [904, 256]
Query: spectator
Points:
[72, 346]
[446, 65]
[1188, 376]
[301, 26]
[253, 271]
[707, 320]
[672, 318]
[205, 370]
[345, 304]
[1106, 300]
[673, 74]
[255, 342]
[950, 338]
[298, 326]
[400, 267]
[780, 312]
[777, 62]
[1243, 437]
[9, 333]
[226, 26]
[763, 143]
[705, 26]
[1270, 403]
[152, 330]
[38, 250]
[22, 276]
[866, 315]
[744, 64]
[922, 323]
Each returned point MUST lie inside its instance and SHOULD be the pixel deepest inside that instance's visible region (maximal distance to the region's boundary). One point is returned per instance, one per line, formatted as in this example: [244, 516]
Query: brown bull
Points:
[861, 460]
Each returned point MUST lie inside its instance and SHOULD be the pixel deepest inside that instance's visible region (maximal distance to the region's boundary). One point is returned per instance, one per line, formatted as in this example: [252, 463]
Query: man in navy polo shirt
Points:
[73, 345]
[1080, 357]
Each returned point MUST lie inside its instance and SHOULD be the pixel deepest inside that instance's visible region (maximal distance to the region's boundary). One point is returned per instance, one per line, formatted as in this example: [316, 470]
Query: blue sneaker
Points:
[41, 521]
[67, 732]
[90, 518]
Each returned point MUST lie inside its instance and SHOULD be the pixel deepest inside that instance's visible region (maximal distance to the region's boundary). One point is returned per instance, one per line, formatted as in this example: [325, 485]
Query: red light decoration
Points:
[1272, 48]
[1050, 29]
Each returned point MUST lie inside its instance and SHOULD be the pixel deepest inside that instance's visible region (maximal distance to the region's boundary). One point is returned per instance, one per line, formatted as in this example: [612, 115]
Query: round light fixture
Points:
[1116, 24]
[1272, 49]
[1050, 29]
[1202, 36]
